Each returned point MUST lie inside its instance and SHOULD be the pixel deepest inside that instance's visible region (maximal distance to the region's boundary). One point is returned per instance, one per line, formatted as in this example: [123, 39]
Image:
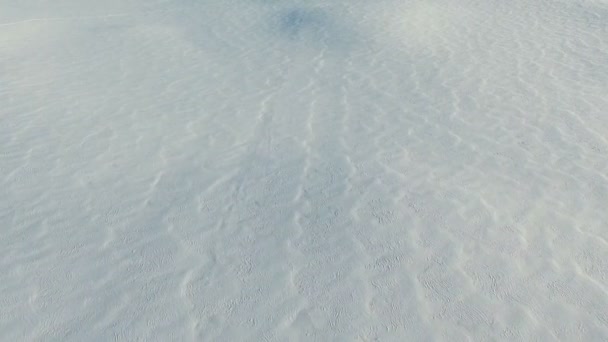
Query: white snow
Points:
[321, 170]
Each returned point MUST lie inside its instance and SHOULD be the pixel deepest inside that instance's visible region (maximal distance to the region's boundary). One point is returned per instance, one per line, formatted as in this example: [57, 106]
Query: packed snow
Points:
[320, 170]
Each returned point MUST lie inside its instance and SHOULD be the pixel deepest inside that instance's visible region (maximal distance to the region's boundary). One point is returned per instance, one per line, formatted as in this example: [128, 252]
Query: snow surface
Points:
[281, 170]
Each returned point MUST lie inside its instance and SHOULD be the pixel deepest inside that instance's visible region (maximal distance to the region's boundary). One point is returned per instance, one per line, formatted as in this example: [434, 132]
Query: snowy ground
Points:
[248, 170]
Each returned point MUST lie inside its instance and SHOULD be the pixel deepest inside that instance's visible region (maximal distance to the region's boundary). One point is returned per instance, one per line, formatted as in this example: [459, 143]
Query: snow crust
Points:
[281, 170]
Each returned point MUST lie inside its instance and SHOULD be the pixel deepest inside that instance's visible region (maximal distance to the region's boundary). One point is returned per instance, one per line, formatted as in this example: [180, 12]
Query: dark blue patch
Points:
[297, 22]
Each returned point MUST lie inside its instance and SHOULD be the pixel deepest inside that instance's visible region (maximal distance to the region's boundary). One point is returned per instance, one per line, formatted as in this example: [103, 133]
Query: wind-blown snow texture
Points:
[248, 170]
